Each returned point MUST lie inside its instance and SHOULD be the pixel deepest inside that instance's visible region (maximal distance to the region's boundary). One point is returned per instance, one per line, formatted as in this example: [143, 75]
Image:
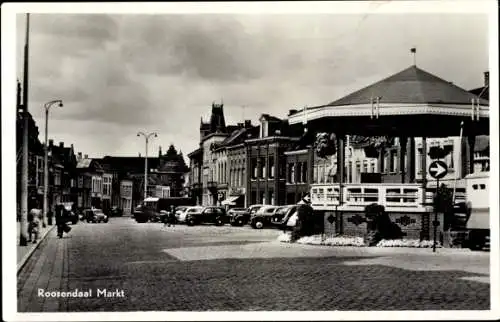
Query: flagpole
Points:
[23, 238]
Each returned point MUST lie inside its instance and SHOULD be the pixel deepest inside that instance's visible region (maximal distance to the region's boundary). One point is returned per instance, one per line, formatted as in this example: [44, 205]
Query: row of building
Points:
[94, 182]
[275, 163]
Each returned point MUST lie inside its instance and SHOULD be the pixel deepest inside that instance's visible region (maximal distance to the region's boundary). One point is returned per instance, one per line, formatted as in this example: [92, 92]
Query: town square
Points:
[223, 162]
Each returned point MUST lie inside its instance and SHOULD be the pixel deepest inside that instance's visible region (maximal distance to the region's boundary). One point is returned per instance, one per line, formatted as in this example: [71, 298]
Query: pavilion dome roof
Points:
[411, 86]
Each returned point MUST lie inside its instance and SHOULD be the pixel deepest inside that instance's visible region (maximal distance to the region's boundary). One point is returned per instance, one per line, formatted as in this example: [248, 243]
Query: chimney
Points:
[159, 152]
[240, 125]
[72, 147]
[139, 154]
[79, 155]
[86, 156]
[248, 123]
[51, 143]
[486, 79]
[61, 144]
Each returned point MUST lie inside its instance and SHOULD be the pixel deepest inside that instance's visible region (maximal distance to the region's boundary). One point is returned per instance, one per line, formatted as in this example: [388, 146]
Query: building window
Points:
[304, 172]
[349, 172]
[292, 173]
[394, 161]
[271, 167]
[39, 171]
[299, 172]
[253, 199]
[106, 186]
[271, 197]
[358, 171]
[254, 168]
[365, 166]
[57, 178]
[374, 167]
[263, 198]
[262, 168]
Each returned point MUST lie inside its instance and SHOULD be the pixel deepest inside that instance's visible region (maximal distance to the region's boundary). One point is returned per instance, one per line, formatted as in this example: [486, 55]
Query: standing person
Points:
[171, 217]
[33, 224]
[304, 215]
[60, 220]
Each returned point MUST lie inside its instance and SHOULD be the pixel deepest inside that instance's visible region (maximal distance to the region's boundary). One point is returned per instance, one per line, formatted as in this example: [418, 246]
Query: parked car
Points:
[116, 212]
[181, 215]
[238, 216]
[262, 217]
[281, 213]
[139, 215]
[212, 215]
[254, 208]
[96, 216]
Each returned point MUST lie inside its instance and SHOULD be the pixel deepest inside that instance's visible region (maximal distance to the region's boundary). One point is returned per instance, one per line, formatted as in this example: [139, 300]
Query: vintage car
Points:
[212, 215]
[238, 216]
[262, 217]
[95, 216]
[182, 214]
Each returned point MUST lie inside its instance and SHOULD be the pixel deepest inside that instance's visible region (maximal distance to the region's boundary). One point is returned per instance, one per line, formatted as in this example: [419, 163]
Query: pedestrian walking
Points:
[60, 220]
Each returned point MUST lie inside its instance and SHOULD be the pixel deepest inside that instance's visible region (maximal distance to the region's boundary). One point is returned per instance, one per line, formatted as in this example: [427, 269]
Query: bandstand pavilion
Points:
[409, 104]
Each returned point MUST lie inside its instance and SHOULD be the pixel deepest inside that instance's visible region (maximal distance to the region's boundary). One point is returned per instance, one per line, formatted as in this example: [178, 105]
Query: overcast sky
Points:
[119, 74]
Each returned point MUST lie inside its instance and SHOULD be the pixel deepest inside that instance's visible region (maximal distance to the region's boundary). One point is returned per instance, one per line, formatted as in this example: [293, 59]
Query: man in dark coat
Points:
[60, 220]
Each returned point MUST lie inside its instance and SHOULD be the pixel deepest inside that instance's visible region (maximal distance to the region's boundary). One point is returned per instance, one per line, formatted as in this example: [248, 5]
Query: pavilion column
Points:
[423, 168]
[341, 163]
[411, 159]
[381, 160]
[403, 140]
[471, 141]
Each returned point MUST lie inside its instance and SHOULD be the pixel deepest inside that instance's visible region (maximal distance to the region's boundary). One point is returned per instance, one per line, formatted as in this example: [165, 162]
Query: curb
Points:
[24, 260]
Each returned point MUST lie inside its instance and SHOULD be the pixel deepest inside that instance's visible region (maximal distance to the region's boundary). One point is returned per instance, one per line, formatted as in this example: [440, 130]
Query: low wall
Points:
[353, 223]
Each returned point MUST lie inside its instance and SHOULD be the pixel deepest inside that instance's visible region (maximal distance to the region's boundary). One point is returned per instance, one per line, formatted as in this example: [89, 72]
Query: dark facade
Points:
[195, 177]
[299, 173]
[266, 161]
[165, 170]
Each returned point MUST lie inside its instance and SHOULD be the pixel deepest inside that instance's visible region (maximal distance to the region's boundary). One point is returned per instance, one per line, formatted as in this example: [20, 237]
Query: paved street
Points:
[237, 268]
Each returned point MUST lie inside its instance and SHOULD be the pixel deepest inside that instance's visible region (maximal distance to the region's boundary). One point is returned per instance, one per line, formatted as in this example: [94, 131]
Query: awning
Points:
[231, 201]
[151, 199]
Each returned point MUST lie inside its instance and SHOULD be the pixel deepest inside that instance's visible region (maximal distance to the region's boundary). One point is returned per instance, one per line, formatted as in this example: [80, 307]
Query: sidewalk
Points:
[25, 252]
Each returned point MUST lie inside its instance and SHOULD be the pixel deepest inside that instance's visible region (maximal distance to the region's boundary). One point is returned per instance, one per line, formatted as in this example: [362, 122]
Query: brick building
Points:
[266, 162]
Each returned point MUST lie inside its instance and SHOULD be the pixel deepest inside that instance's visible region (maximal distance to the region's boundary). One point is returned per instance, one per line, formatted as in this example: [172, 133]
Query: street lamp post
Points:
[146, 137]
[45, 161]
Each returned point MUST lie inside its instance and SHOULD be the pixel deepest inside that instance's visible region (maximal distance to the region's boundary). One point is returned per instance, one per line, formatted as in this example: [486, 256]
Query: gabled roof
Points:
[267, 117]
[483, 92]
[412, 85]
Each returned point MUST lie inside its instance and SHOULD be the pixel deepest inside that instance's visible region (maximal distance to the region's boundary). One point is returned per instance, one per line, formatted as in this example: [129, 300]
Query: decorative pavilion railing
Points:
[356, 196]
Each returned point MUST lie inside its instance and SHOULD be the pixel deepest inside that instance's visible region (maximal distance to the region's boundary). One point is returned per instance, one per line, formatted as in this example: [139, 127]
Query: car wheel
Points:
[239, 222]
[190, 222]
[105, 221]
[219, 222]
[259, 224]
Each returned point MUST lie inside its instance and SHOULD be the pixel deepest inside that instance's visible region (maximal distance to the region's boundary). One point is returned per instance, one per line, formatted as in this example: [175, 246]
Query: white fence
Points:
[354, 195]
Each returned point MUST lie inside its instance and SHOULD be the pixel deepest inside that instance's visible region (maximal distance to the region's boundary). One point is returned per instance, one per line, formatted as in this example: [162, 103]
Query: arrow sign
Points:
[438, 169]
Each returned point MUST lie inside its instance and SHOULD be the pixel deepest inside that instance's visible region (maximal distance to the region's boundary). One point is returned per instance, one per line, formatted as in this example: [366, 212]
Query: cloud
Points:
[119, 74]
